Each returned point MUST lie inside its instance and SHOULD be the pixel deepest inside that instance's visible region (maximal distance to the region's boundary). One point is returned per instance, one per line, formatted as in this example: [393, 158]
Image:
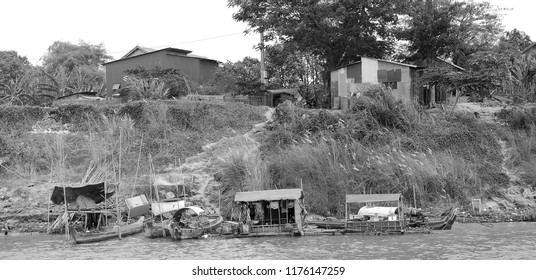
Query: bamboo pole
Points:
[157, 196]
[137, 168]
[414, 197]
[117, 188]
[59, 143]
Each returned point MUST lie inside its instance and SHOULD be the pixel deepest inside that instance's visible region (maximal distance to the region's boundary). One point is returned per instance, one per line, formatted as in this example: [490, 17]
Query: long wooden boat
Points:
[90, 237]
[327, 224]
[445, 223]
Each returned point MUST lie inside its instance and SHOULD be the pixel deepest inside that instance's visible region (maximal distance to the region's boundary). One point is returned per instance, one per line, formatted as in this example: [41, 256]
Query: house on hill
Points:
[350, 81]
[429, 95]
[199, 69]
[355, 78]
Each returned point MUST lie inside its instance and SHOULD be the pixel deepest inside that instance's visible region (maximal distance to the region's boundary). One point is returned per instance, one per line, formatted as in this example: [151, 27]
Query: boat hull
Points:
[81, 238]
[155, 230]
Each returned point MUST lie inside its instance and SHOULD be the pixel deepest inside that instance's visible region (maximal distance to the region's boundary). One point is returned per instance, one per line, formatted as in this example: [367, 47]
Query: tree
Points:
[450, 29]
[238, 78]
[337, 32]
[70, 56]
[55, 85]
[516, 71]
[12, 66]
[15, 91]
[289, 67]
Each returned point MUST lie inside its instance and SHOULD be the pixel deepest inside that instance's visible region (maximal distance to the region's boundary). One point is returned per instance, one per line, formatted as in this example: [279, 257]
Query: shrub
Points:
[520, 119]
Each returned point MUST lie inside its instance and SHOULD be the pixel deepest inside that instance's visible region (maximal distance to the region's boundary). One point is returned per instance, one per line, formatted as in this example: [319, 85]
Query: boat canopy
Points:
[164, 207]
[364, 198]
[196, 209]
[269, 195]
[376, 211]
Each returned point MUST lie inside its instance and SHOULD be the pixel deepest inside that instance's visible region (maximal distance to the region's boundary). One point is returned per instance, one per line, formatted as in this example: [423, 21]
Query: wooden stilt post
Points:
[62, 175]
[48, 212]
[137, 168]
[105, 206]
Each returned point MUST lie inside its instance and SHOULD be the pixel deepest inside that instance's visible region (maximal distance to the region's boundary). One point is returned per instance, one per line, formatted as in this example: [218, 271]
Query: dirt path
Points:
[200, 169]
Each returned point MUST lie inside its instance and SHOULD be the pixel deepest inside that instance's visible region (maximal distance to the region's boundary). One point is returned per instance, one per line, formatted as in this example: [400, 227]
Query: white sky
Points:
[31, 26]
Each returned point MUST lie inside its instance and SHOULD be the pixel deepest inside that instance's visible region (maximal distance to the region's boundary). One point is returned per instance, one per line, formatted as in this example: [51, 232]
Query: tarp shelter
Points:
[94, 192]
[269, 195]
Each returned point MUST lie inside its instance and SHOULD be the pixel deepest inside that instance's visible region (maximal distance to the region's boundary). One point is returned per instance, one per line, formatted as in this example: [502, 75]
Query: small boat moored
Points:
[111, 233]
[192, 222]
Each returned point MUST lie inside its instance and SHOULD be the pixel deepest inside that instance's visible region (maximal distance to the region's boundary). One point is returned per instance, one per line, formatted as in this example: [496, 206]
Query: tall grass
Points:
[329, 170]
[383, 145]
[241, 169]
[95, 131]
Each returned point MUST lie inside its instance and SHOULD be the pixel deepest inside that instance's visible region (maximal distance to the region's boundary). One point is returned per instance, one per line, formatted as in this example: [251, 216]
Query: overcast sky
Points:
[205, 27]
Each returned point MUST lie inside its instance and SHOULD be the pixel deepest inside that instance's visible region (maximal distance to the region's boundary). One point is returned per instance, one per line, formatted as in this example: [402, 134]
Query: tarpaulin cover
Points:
[94, 192]
[379, 211]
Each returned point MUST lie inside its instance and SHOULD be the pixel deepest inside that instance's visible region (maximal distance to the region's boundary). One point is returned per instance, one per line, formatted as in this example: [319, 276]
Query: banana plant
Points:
[57, 85]
[14, 91]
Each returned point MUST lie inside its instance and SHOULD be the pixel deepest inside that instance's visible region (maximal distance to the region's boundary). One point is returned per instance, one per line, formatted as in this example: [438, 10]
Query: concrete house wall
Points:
[354, 79]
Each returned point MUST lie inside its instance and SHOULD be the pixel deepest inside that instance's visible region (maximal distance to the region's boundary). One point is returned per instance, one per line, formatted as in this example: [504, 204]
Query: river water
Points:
[506, 241]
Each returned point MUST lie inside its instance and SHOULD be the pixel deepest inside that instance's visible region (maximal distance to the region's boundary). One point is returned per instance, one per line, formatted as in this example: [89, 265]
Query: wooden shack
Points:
[270, 212]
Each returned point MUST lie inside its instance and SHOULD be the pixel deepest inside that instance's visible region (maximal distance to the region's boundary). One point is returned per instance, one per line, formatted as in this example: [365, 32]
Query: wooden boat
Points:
[327, 224]
[89, 237]
[191, 222]
[375, 220]
[444, 223]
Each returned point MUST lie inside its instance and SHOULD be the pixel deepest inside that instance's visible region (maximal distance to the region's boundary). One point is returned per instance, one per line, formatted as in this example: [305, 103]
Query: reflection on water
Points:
[464, 241]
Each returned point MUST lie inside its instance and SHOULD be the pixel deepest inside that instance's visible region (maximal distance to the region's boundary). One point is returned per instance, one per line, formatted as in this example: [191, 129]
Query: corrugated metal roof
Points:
[169, 51]
[269, 195]
[363, 198]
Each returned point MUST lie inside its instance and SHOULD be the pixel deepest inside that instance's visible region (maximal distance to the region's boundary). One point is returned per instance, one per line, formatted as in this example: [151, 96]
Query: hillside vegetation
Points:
[40, 143]
[381, 145]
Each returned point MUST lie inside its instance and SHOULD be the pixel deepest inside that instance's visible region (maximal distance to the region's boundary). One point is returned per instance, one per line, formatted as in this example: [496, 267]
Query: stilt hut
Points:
[270, 212]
